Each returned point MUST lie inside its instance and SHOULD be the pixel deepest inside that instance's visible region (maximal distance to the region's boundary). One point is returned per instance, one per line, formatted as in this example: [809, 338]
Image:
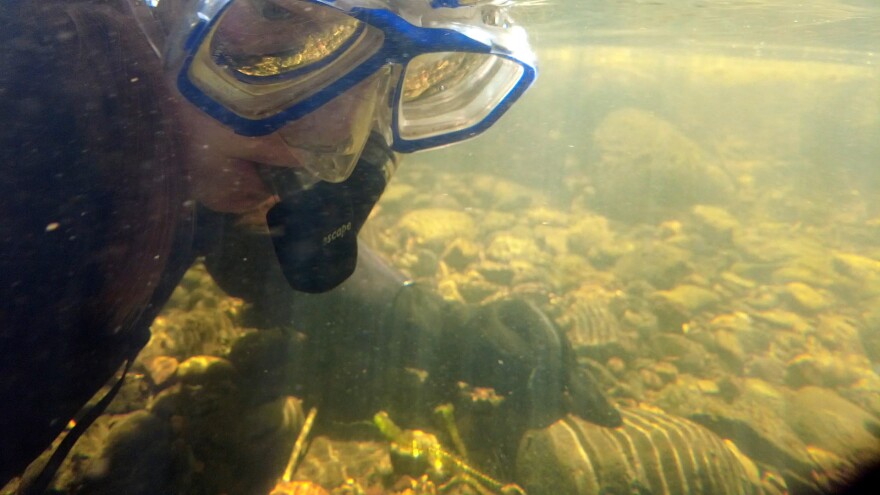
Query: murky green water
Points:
[702, 179]
[690, 192]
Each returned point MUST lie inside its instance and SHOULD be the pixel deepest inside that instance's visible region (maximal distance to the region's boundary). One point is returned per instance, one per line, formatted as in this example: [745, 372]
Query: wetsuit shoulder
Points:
[96, 227]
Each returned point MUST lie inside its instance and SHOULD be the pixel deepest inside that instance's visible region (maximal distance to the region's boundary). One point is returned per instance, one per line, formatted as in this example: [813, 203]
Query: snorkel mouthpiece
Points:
[314, 230]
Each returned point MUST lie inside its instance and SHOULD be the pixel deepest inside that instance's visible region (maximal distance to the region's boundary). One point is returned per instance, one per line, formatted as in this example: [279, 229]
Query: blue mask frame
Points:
[403, 41]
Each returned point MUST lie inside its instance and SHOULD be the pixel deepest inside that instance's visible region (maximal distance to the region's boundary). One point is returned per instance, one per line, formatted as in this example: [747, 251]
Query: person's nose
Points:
[342, 124]
[330, 139]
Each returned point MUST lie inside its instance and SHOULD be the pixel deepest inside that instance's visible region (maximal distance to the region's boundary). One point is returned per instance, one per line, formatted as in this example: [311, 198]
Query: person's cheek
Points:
[229, 185]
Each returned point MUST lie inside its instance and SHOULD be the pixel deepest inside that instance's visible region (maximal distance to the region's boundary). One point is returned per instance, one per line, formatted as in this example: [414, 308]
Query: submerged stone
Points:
[679, 305]
[508, 247]
[652, 452]
[715, 222]
[432, 226]
[161, 369]
[822, 418]
[200, 369]
[658, 263]
[807, 298]
[648, 168]
[825, 370]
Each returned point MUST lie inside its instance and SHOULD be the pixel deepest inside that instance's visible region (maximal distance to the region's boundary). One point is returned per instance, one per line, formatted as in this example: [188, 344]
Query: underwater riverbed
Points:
[702, 222]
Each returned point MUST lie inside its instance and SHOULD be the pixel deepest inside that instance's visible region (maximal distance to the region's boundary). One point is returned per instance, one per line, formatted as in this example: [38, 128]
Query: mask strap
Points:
[142, 11]
[40, 483]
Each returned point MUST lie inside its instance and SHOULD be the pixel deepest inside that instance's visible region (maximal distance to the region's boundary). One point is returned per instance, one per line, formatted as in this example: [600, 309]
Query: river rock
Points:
[589, 319]
[687, 355]
[589, 233]
[397, 194]
[136, 459]
[506, 247]
[716, 223]
[657, 452]
[768, 368]
[200, 369]
[840, 334]
[436, 226]
[869, 334]
[676, 306]
[161, 369]
[658, 263]
[807, 298]
[331, 462]
[648, 168]
[822, 418]
[460, 253]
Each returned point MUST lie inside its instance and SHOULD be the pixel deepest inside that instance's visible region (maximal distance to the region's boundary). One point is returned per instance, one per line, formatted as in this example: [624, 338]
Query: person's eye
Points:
[273, 12]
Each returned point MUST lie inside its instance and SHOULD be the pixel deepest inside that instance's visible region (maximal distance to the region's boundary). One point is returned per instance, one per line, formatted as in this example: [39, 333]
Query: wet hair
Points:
[93, 200]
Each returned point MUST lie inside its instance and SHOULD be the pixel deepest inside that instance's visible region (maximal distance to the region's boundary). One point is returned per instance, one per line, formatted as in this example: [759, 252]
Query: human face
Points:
[223, 166]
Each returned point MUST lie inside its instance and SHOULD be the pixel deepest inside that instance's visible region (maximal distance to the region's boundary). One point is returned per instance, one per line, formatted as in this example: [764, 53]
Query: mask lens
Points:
[263, 57]
[267, 39]
[452, 91]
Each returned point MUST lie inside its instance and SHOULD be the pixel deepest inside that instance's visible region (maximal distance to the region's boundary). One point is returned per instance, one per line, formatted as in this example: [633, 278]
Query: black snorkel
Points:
[314, 229]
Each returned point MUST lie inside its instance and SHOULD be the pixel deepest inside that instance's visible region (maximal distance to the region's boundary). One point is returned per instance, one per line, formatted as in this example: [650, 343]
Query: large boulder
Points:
[648, 169]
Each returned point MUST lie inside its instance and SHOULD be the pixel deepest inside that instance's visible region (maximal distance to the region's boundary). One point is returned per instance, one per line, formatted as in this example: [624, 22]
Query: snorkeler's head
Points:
[450, 67]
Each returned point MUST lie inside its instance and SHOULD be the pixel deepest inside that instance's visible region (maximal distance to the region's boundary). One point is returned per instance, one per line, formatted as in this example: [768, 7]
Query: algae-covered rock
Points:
[397, 195]
[202, 369]
[807, 298]
[687, 355]
[800, 271]
[588, 233]
[689, 299]
[680, 304]
[654, 451]
[543, 215]
[419, 261]
[331, 462]
[840, 334]
[732, 322]
[161, 369]
[589, 319]
[822, 418]
[137, 459]
[658, 263]
[495, 272]
[826, 370]
[863, 272]
[460, 253]
[436, 226]
[770, 369]
[498, 220]
[181, 334]
[506, 247]
[715, 222]
[265, 438]
[667, 371]
[782, 319]
[729, 346]
[869, 334]
[471, 286]
[857, 266]
[501, 194]
[648, 168]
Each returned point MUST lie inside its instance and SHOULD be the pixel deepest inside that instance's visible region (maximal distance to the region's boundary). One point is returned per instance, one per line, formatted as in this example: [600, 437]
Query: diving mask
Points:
[258, 65]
